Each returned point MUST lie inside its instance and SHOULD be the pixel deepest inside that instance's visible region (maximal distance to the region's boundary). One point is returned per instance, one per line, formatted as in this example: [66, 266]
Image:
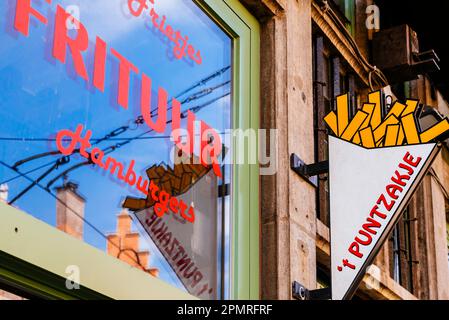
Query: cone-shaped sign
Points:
[376, 161]
[369, 189]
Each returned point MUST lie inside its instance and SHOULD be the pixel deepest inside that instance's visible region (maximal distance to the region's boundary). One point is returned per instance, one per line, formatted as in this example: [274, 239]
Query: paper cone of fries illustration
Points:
[375, 164]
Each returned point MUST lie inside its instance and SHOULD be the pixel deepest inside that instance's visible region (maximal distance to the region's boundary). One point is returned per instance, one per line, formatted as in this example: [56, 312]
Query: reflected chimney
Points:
[4, 193]
[70, 210]
[124, 244]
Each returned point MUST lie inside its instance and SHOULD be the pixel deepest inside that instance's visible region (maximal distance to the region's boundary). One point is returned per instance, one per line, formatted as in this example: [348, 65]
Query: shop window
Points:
[347, 8]
[402, 251]
[322, 276]
[330, 79]
[173, 55]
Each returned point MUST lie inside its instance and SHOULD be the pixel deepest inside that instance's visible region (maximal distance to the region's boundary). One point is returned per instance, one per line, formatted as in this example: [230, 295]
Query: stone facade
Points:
[295, 241]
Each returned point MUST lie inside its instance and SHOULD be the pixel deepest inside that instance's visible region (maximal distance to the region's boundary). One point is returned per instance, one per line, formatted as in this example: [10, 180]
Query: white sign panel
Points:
[369, 189]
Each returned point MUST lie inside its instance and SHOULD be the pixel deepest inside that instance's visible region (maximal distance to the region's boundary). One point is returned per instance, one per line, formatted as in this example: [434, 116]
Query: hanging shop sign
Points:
[375, 165]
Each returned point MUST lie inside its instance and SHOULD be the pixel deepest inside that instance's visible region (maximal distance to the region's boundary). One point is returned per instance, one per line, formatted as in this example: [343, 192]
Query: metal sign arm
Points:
[308, 172]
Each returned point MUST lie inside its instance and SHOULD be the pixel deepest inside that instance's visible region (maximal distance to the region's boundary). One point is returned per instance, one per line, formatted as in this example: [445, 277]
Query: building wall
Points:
[288, 215]
[294, 240]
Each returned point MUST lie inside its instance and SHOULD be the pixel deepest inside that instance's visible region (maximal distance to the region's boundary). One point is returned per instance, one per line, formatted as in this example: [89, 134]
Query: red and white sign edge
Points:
[357, 177]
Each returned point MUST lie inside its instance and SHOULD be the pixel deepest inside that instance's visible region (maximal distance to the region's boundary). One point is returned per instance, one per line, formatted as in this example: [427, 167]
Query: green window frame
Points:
[350, 14]
[27, 256]
[347, 7]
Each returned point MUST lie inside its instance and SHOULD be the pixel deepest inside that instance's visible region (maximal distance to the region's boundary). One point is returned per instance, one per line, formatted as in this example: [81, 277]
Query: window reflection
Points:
[40, 96]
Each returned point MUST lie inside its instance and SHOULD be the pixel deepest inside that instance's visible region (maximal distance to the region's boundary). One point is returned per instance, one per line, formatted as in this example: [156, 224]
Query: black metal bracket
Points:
[302, 293]
[308, 172]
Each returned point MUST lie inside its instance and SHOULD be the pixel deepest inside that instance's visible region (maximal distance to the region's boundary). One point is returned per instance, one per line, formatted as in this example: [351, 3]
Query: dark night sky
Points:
[430, 19]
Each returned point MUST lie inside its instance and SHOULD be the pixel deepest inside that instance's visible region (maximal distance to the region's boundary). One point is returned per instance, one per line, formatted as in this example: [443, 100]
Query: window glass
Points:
[402, 256]
[104, 67]
[347, 7]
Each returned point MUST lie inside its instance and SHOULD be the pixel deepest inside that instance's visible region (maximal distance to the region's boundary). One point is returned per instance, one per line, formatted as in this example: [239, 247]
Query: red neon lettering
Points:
[190, 141]
[145, 105]
[130, 176]
[153, 189]
[77, 45]
[22, 18]
[210, 149]
[190, 217]
[176, 121]
[75, 138]
[114, 164]
[100, 64]
[174, 205]
[137, 11]
[96, 156]
[182, 207]
[142, 188]
[124, 78]
[160, 208]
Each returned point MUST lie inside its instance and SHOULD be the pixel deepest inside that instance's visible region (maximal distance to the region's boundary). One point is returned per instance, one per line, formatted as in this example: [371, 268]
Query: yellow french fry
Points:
[391, 136]
[342, 113]
[411, 107]
[367, 137]
[374, 98]
[435, 131]
[367, 108]
[354, 126]
[379, 132]
[397, 109]
[380, 143]
[331, 120]
[357, 139]
[410, 130]
[401, 136]
[367, 128]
